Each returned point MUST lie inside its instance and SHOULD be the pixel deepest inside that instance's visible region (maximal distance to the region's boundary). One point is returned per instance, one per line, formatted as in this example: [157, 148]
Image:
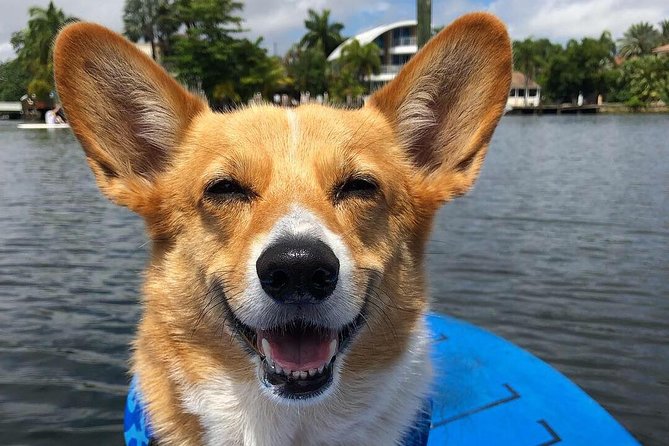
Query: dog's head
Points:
[287, 243]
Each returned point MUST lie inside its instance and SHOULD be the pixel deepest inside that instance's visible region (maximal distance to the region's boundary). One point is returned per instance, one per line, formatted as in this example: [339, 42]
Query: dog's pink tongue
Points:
[298, 351]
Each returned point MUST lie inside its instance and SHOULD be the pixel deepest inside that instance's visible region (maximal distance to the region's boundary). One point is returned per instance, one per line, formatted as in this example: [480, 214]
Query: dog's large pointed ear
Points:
[446, 101]
[126, 111]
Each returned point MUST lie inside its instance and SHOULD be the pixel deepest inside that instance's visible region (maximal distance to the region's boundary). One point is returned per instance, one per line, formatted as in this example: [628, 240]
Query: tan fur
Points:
[154, 147]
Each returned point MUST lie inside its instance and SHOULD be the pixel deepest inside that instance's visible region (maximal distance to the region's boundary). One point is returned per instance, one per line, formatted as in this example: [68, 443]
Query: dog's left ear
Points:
[128, 113]
[445, 103]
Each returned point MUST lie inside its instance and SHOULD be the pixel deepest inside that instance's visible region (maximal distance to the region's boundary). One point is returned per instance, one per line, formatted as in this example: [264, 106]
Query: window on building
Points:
[533, 92]
[521, 92]
[512, 93]
[400, 59]
[402, 36]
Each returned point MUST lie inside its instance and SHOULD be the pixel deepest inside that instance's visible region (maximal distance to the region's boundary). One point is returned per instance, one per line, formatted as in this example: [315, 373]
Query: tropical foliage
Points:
[643, 80]
[624, 72]
[664, 30]
[639, 40]
[199, 42]
[13, 80]
[361, 60]
[34, 49]
[321, 33]
[307, 67]
[148, 20]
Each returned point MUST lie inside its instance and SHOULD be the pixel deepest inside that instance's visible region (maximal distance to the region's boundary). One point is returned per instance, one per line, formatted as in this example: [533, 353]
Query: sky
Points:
[281, 22]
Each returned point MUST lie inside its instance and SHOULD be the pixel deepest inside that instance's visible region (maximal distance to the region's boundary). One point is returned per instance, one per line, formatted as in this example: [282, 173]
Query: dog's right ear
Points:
[126, 111]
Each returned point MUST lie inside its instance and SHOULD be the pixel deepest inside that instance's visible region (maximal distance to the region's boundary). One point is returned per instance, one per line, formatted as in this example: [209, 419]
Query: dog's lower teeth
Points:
[312, 372]
[266, 348]
[321, 368]
[333, 348]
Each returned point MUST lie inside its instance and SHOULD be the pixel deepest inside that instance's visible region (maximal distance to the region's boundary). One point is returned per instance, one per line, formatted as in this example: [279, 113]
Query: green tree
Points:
[146, 20]
[34, 44]
[204, 56]
[664, 30]
[321, 33]
[534, 57]
[643, 80]
[361, 60]
[639, 40]
[526, 59]
[307, 67]
[258, 73]
[13, 80]
[344, 86]
[584, 66]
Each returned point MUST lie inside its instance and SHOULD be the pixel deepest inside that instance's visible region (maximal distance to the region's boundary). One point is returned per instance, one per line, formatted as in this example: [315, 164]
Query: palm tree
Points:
[526, 59]
[664, 29]
[361, 60]
[639, 40]
[34, 44]
[321, 32]
[140, 18]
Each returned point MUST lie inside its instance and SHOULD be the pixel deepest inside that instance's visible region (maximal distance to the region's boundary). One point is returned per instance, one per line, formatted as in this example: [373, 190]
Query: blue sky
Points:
[280, 22]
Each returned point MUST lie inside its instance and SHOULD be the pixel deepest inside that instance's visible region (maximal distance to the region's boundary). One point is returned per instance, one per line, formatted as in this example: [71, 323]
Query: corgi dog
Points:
[285, 296]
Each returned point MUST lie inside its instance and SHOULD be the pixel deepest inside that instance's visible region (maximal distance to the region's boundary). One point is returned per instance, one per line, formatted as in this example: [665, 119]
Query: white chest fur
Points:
[374, 409]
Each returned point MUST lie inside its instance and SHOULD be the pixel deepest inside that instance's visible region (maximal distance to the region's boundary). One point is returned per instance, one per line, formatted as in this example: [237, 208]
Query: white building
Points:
[397, 42]
[524, 92]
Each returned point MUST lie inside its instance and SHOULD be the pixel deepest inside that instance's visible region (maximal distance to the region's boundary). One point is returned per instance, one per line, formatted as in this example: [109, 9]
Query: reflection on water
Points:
[562, 248]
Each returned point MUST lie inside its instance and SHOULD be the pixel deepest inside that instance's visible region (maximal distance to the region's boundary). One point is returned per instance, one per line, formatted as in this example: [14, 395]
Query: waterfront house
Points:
[524, 91]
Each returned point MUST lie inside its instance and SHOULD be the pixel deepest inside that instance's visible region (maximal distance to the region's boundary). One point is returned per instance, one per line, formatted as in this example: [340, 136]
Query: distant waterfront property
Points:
[397, 42]
[524, 91]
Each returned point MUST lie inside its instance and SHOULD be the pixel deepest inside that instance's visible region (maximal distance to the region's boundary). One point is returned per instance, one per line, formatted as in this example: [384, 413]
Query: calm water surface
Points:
[563, 248]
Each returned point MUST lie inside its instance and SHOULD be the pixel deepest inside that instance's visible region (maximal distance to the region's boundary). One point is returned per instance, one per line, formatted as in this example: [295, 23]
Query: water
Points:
[563, 248]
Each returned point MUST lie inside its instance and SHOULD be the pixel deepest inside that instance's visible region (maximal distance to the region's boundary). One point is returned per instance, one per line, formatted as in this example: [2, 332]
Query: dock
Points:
[555, 109]
[10, 110]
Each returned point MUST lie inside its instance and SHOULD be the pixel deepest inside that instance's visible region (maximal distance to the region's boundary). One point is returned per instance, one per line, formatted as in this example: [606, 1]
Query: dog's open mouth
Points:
[298, 359]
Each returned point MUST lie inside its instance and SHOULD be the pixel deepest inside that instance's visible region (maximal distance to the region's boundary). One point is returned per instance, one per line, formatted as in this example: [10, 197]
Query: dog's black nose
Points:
[298, 271]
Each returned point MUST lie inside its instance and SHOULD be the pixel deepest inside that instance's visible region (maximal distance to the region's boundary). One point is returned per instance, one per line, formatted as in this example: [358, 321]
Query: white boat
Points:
[34, 126]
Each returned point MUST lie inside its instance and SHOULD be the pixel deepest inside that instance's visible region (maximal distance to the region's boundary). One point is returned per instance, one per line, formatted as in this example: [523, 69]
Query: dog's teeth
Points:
[333, 348]
[321, 368]
[278, 368]
[296, 374]
[312, 372]
[266, 348]
[303, 375]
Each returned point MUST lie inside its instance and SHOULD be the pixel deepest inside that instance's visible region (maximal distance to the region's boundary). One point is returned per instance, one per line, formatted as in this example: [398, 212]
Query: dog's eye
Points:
[361, 187]
[228, 189]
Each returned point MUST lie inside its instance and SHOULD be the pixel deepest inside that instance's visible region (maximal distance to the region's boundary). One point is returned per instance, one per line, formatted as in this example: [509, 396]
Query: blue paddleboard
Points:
[489, 392]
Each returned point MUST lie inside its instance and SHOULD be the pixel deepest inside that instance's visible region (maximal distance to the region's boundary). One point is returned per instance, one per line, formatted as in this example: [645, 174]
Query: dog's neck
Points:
[382, 405]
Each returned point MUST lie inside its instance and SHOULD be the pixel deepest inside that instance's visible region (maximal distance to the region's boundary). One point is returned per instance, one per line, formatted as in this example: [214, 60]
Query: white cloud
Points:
[282, 22]
[6, 51]
[564, 19]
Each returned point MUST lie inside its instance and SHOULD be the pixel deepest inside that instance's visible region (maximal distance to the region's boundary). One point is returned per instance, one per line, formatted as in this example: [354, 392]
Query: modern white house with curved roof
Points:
[397, 42]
